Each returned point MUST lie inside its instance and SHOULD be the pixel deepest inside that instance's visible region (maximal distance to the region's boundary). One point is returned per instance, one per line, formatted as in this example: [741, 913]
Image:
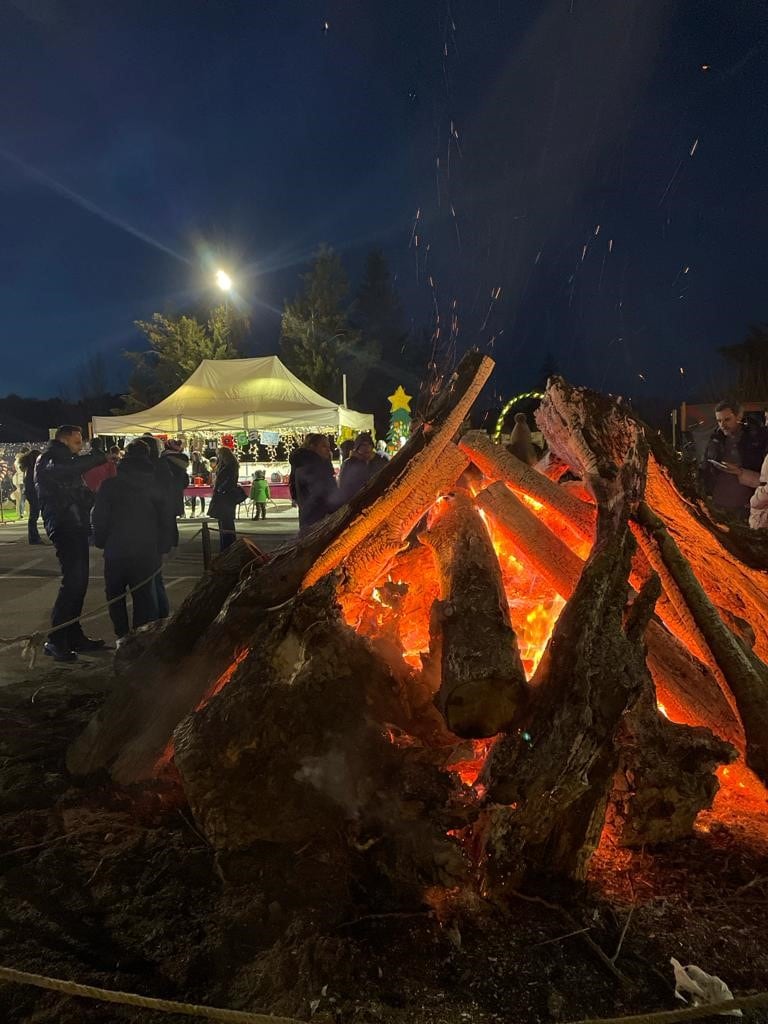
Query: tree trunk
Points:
[482, 677]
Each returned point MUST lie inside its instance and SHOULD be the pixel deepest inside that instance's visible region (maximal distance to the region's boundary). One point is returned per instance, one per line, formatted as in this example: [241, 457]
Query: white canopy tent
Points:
[229, 395]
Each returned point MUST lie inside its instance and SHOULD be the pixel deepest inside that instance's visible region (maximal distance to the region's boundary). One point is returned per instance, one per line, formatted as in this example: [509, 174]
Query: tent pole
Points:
[344, 390]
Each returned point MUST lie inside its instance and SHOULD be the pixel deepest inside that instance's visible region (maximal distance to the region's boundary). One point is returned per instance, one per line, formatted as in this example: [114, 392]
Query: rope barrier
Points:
[30, 641]
[108, 995]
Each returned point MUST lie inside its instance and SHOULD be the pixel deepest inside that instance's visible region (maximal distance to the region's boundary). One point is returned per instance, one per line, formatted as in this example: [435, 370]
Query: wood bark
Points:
[554, 773]
[482, 680]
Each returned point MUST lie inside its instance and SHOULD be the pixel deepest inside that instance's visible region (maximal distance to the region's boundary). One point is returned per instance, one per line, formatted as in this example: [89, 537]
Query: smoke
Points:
[332, 775]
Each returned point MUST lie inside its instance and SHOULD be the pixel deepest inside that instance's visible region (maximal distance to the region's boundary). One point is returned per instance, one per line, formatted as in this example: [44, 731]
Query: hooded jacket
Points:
[130, 518]
[65, 501]
[313, 486]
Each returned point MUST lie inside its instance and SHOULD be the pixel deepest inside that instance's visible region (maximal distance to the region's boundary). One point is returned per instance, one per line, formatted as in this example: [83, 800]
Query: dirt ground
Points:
[119, 889]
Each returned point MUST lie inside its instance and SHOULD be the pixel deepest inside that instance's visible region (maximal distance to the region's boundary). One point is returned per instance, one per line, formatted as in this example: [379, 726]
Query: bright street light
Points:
[223, 280]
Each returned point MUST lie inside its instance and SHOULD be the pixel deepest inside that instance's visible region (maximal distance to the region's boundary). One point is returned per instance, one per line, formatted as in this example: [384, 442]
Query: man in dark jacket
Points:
[735, 445]
[65, 504]
[312, 483]
[130, 522]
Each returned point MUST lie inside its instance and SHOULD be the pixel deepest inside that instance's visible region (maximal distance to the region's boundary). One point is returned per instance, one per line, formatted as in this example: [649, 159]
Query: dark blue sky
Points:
[138, 140]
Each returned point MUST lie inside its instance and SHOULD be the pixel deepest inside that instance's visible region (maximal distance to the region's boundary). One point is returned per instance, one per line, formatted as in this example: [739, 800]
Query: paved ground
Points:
[29, 577]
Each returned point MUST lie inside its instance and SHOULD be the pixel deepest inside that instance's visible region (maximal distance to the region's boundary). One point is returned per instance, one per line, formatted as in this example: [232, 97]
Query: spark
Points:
[326, 26]
[538, 256]
[610, 245]
[597, 231]
[693, 147]
[641, 376]
[686, 269]
[682, 372]
[705, 67]
[583, 253]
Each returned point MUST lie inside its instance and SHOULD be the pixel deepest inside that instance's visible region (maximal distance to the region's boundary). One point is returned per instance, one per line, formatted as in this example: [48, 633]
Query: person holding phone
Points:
[732, 460]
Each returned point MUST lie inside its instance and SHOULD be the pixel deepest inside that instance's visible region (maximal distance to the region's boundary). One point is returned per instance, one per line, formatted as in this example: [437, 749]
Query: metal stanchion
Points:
[205, 533]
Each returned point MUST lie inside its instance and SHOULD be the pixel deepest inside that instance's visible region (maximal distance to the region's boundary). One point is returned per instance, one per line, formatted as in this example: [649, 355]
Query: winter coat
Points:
[355, 473]
[752, 444]
[27, 464]
[172, 472]
[130, 518]
[260, 491]
[94, 478]
[313, 486]
[65, 501]
[758, 503]
[200, 467]
[226, 493]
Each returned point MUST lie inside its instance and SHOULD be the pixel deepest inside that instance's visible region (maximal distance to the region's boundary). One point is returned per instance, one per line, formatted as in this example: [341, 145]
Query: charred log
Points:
[665, 776]
[482, 677]
[554, 774]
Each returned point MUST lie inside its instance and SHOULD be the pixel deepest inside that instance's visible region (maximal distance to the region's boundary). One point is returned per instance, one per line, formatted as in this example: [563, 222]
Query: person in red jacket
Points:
[95, 477]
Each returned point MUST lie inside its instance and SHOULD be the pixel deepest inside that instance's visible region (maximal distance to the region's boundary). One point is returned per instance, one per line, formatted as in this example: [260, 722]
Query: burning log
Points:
[482, 677]
[496, 463]
[688, 690]
[744, 673]
[368, 562]
[737, 591]
[554, 773]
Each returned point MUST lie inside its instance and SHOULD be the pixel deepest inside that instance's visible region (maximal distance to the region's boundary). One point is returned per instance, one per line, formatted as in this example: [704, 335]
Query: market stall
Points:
[256, 406]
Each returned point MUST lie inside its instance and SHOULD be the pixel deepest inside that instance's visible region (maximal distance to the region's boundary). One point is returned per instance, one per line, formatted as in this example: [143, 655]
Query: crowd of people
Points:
[128, 502]
[313, 485]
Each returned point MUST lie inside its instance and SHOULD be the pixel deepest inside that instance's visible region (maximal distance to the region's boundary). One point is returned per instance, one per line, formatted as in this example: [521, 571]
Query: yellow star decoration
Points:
[400, 400]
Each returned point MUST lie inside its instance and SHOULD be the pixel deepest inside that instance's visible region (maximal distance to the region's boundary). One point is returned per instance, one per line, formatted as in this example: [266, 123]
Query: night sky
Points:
[592, 175]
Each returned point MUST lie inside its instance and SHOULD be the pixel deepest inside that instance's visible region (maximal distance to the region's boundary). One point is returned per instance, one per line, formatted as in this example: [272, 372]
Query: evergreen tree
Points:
[178, 346]
[317, 340]
[749, 359]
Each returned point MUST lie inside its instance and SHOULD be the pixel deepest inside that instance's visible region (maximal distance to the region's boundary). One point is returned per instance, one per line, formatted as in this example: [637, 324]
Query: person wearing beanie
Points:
[131, 523]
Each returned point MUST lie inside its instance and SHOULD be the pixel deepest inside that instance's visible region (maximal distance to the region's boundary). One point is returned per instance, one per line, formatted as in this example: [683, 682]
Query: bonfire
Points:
[467, 674]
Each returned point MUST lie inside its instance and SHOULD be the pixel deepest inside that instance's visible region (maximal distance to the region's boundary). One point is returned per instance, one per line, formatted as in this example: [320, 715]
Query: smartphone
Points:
[720, 465]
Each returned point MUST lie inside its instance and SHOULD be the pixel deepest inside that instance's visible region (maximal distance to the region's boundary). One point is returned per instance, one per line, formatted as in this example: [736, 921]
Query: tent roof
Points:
[238, 394]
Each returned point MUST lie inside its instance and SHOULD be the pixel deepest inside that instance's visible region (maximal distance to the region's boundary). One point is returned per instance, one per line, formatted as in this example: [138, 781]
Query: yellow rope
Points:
[108, 995]
[689, 1013]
